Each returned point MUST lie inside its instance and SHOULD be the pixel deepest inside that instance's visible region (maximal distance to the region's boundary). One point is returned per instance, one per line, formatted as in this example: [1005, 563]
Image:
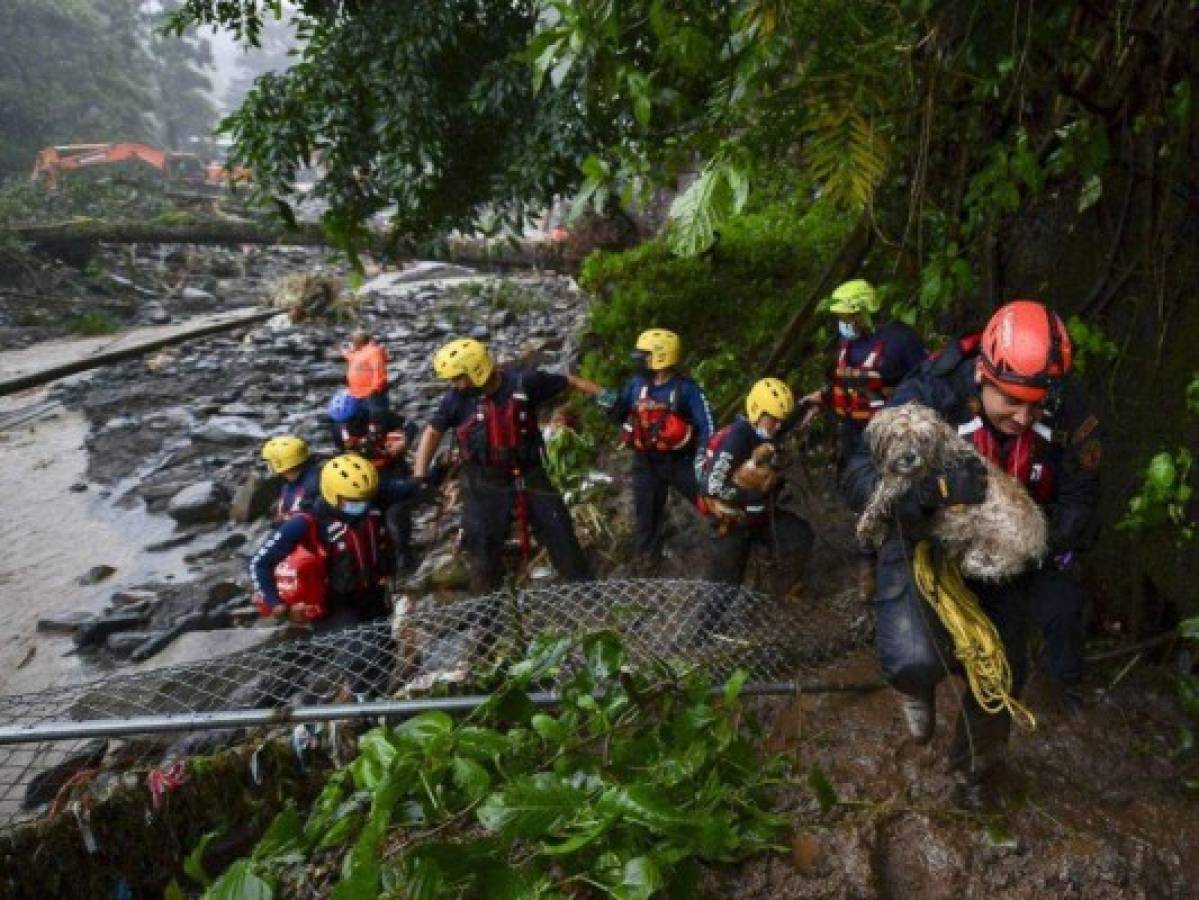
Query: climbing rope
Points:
[976, 643]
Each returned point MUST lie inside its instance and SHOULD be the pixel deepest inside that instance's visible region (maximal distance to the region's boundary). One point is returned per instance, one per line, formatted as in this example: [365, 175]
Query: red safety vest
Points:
[858, 392]
[654, 427]
[501, 435]
[1025, 458]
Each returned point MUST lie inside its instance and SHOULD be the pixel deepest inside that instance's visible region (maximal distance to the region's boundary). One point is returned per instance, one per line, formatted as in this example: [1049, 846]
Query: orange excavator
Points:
[179, 168]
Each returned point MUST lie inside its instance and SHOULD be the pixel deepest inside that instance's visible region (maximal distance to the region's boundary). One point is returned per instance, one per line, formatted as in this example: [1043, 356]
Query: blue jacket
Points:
[302, 493]
[689, 401]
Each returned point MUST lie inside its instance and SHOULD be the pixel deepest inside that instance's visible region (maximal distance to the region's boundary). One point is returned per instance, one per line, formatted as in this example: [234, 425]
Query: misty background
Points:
[99, 71]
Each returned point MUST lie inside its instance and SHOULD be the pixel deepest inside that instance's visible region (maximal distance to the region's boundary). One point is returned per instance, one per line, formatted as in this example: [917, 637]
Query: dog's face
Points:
[907, 440]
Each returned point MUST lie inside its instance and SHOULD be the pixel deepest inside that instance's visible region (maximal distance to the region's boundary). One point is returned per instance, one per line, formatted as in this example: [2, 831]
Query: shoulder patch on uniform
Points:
[1089, 424]
[1090, 456]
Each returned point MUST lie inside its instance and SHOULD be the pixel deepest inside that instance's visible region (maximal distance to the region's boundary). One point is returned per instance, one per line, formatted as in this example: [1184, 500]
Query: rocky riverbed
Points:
[173, 438]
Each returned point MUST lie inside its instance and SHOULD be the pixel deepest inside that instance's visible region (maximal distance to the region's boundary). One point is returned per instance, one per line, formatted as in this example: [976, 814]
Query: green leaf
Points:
[193, 866]
[605, 655]
[826, 796]
[173, 892]
[719, 192]
[470, 778]
[732, 688]
[549, 728]
[1091, 191]
[239, 883]
[426, 728]
[1161, 472]
[480, 743]
[1189, 628]
[531, 807]
[285, 835]
[640, 879]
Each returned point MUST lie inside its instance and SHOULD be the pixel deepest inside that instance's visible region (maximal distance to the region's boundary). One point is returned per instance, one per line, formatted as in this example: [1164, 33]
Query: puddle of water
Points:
[49, 536]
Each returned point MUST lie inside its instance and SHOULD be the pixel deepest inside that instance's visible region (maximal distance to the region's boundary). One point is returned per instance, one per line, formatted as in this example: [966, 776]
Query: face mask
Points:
[847, 330]
[354, 507]
[765, 434]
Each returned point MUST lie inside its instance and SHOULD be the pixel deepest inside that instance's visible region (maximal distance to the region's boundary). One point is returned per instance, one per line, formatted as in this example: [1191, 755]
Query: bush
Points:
[736, 298]
[95, 323]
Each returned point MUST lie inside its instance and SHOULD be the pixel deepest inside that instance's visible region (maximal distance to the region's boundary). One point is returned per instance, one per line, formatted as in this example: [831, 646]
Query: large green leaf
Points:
[470, 778]
[284, 836]
[480, 743]
[531, 807]
[640, 880]
[720, 191]
[427, 728]
[239, 883]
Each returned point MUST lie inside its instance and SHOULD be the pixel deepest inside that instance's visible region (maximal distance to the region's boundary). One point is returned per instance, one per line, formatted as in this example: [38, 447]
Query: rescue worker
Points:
[346, 531]
[289, 457]
[493, 415]
[366, 373]
[1008, 393]
[386, 447]
[665, 419]
[743, 515]
[869, 364]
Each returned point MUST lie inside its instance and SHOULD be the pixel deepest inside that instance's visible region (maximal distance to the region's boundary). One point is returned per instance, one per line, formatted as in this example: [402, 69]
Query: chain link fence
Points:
[429, 648]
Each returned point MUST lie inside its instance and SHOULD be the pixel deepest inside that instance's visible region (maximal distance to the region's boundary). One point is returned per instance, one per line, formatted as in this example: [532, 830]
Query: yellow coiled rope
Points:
[976, 643]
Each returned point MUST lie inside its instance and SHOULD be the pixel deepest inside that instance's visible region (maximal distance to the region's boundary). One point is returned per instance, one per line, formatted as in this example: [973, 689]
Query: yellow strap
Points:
[976, 643]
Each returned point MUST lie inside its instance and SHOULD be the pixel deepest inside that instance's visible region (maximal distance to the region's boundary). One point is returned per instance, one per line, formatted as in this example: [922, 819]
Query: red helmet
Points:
[1024, 348]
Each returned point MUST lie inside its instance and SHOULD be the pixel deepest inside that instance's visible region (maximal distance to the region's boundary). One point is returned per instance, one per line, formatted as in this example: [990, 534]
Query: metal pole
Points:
[285, 715]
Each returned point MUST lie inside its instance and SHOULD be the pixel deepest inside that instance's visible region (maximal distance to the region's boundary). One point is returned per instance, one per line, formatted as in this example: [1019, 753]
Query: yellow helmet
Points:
[285, 452]
[854, 298]
[663, 348]
[348, 477]
[771, 397]
[464, 356]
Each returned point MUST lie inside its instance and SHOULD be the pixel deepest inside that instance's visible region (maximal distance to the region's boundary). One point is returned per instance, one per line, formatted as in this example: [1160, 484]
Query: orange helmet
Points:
[1024, 348]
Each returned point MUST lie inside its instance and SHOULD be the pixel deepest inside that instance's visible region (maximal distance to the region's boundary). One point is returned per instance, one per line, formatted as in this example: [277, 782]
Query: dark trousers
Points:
[1056, 601]
[488, 513]
[915, 652]
[786, 536]
[654, 474]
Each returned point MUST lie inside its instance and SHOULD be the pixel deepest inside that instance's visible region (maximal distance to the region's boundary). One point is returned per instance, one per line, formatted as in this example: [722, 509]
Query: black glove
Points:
[963, 481]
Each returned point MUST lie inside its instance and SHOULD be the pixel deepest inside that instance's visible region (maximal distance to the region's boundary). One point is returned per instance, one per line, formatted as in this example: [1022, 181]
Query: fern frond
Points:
[846, 153]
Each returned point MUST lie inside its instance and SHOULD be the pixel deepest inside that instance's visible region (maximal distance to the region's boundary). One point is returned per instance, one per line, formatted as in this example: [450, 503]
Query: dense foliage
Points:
[635, 777]
[89, 71]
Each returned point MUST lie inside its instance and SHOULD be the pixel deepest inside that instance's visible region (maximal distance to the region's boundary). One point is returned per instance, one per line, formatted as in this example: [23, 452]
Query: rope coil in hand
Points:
[976, 643]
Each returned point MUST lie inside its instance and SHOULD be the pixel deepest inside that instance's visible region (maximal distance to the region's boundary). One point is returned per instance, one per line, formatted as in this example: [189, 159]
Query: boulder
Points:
[95, 575]
[230, 430]
[202, 502]
[253, 499]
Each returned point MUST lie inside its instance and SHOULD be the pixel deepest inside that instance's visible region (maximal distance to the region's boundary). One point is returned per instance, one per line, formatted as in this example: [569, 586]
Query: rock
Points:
[78, 487]
[64, 623]
[221, 592]
[132, 597]
[241, 409]
[95, 575]
[123, 643]
[202, 502]
[230, 430]
[156, 314]
[157, 547]
[195, 294]
[253, 499]
[96, 632]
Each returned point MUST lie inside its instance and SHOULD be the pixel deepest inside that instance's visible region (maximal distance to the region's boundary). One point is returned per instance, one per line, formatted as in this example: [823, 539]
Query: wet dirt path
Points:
[51, 535]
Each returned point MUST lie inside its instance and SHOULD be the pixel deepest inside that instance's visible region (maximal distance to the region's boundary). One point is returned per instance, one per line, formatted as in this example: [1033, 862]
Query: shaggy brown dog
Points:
[1001, 537]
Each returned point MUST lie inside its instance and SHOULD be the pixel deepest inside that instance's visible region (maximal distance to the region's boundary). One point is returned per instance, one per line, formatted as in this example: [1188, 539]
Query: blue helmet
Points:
[344, 406]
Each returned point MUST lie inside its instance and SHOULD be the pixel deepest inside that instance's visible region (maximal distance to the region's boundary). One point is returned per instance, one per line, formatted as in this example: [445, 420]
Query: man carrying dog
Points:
[1008, 393]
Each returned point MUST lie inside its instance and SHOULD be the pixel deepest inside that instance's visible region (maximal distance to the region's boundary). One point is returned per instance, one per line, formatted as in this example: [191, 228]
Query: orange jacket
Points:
[366, 372]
